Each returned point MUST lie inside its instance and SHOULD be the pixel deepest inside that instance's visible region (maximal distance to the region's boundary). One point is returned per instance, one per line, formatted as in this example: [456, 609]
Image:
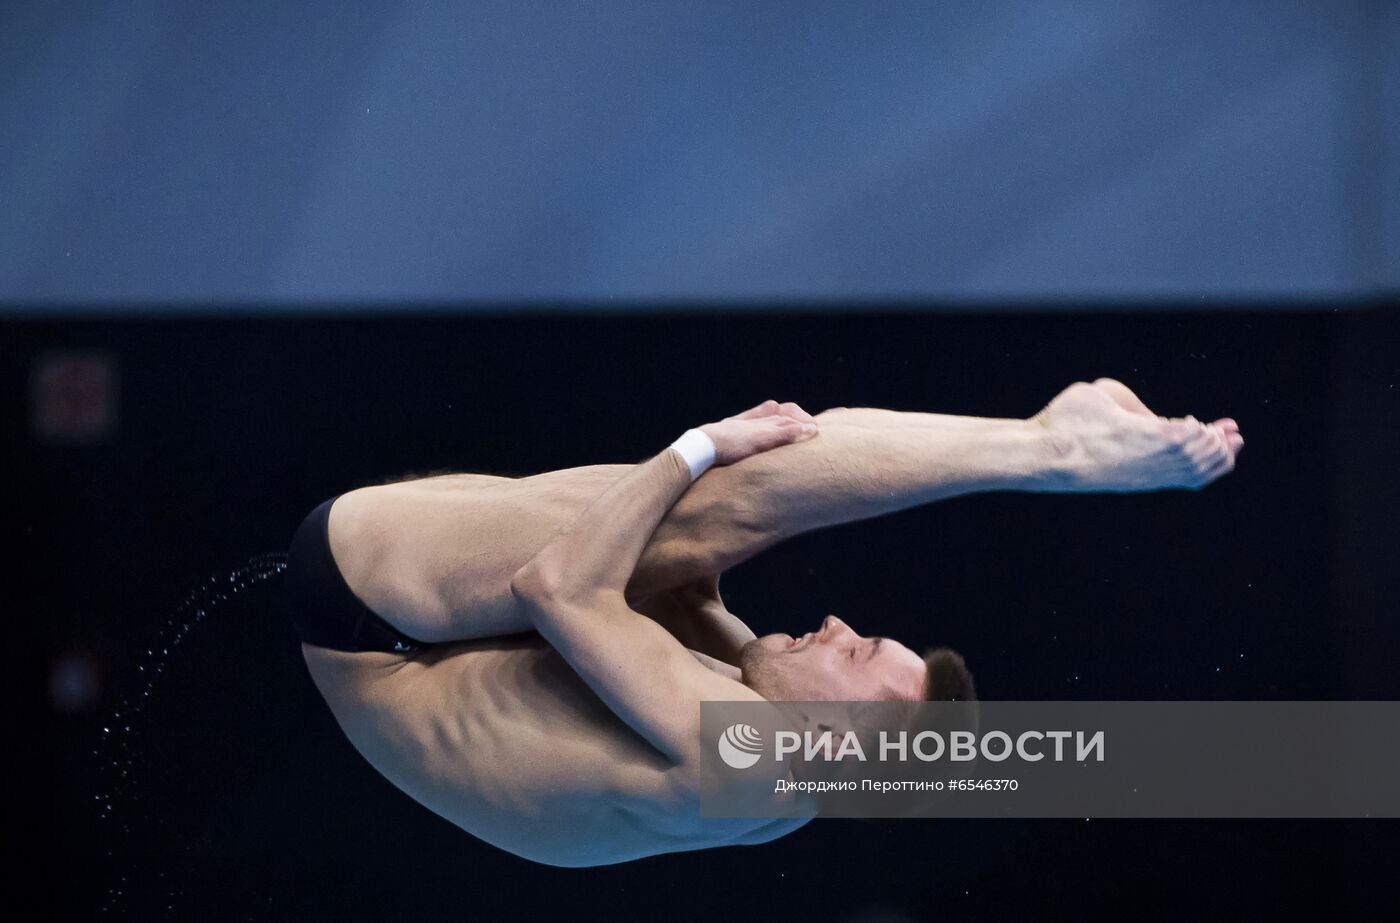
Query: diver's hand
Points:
[767, 426]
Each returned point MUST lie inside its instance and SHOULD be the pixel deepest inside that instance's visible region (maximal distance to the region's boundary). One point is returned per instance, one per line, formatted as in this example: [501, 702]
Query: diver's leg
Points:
[435, 557]
[867, 462]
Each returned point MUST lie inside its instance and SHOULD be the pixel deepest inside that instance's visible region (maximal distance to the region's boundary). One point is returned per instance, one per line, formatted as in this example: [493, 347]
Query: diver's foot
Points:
[1101, 436]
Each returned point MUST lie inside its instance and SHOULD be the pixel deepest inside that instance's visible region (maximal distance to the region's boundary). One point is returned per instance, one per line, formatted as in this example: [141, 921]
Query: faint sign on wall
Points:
[73, 397]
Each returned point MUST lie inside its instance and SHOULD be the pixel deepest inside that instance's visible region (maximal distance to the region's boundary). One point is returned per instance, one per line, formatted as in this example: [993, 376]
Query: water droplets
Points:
[121, 741]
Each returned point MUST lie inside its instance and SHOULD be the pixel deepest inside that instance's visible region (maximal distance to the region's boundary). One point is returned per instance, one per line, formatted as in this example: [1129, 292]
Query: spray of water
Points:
[120, 748]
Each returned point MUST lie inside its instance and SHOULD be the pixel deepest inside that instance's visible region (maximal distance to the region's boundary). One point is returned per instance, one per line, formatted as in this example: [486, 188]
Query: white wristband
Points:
[697, 450]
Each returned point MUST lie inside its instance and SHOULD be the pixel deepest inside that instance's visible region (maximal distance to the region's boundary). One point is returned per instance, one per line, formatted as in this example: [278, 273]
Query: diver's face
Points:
[832, 664]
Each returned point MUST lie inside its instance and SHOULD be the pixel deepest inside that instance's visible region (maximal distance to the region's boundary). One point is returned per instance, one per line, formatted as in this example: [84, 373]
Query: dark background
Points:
[323, 244]
[1278, 582]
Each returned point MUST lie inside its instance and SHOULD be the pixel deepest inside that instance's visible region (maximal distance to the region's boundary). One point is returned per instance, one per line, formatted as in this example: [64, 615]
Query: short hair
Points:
[947, 678]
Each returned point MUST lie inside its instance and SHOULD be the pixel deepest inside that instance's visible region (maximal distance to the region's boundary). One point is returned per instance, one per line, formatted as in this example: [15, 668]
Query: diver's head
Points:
[872, 705]
[834, 664]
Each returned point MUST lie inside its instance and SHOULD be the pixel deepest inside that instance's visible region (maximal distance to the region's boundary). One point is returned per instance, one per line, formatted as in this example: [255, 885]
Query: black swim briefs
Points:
[324, 611]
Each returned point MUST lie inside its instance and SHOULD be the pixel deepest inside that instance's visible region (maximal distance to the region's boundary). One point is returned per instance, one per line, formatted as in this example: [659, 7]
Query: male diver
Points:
[526, 657]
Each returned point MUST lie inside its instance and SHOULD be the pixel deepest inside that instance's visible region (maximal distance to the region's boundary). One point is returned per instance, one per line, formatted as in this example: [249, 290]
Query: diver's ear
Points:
[810, 722]
[823, 717]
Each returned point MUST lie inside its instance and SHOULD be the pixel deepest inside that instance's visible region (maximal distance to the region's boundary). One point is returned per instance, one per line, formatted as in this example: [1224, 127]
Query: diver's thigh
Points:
[435, 558]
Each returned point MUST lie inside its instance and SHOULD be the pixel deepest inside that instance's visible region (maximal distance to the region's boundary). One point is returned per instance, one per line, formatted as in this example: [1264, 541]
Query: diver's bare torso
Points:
[497, 733]
[503, 739]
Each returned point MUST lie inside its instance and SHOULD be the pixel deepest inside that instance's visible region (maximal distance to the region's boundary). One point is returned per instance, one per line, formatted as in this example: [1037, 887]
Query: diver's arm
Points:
[572, 592]
[599, 551]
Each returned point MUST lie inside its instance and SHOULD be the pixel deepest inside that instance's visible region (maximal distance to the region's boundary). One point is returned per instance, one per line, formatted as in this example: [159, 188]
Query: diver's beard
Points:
[750, 657]
[757, 670]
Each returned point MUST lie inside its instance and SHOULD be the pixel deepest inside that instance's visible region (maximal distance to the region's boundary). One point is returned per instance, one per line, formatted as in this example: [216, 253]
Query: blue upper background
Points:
[642, 152]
